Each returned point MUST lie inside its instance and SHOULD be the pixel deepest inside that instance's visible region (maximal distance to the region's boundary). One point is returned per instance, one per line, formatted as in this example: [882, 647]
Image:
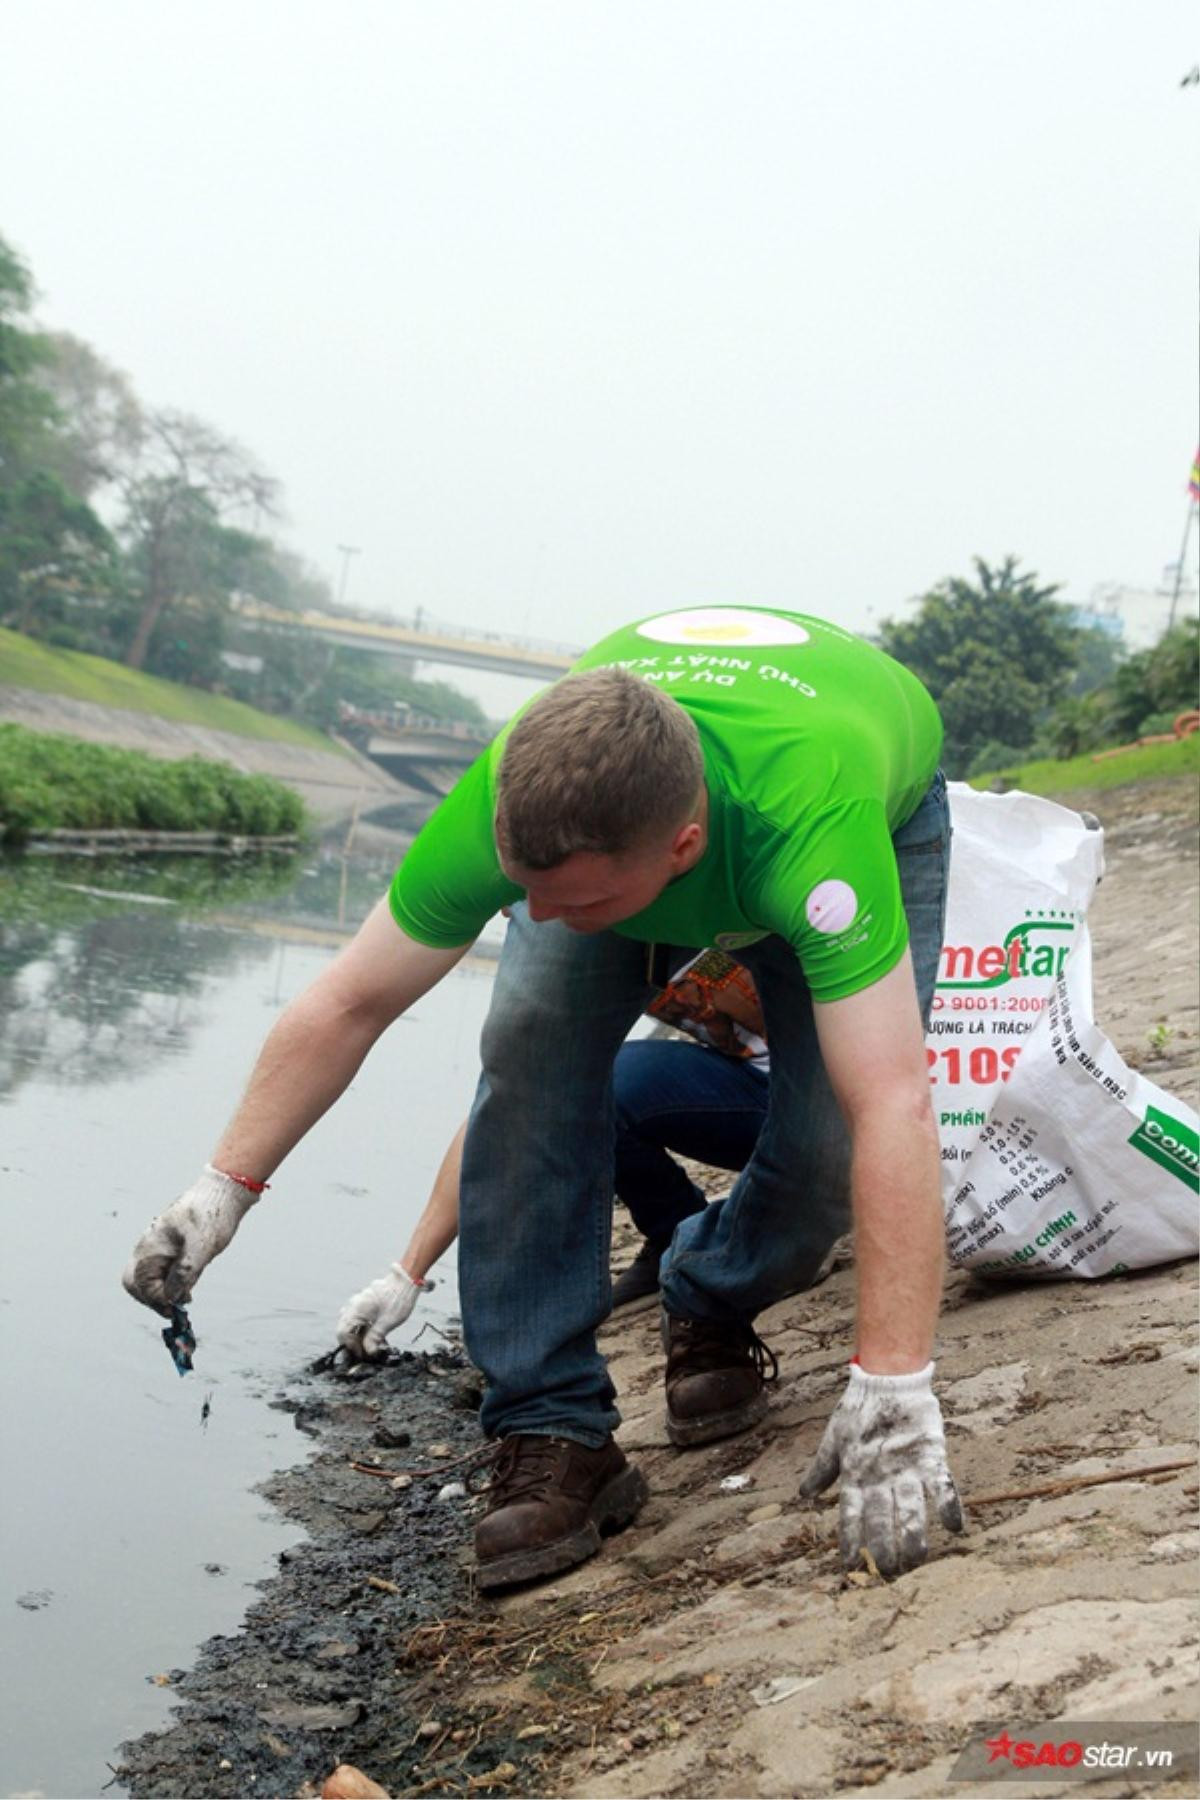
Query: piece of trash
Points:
[180, 1340]
[160, 1680]
[782, 1687]
[35, 1599]
[736, 1484]
[206, 1411]
[453, 1490]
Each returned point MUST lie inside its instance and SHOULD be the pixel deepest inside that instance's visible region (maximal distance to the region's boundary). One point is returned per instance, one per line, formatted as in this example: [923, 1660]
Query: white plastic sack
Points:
[1056, 1158]
[1022, 874]
[1084, 1166]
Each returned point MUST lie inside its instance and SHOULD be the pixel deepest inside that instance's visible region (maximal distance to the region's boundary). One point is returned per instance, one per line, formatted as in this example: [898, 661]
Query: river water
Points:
[133, 997]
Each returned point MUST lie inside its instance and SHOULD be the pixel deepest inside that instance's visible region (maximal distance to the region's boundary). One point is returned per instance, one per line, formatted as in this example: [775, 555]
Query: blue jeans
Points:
[537, 1179]
[681, 1097]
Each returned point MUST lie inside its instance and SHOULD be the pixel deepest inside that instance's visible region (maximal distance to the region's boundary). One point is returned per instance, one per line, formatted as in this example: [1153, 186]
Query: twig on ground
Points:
[1051, 1489]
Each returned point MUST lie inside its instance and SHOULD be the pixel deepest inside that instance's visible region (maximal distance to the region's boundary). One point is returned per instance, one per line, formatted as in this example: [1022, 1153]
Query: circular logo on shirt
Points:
[831, 907]
[730, 625]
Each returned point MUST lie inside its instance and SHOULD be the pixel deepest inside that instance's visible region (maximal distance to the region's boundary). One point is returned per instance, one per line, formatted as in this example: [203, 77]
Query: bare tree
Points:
[187, 486]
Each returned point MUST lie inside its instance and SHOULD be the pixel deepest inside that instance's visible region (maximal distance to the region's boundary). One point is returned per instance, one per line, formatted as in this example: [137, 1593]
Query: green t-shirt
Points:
[816, 748]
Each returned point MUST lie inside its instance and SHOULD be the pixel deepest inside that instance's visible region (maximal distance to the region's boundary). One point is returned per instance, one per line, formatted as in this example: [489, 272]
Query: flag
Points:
[1194, 483]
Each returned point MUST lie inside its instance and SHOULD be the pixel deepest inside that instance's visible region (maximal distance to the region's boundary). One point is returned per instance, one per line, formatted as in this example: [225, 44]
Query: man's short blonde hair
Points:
[601, 761]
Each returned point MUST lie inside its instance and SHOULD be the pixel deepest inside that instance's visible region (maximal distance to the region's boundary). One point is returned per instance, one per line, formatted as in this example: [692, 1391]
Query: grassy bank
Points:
[51, 783]
[1150, 762]
[26, 663]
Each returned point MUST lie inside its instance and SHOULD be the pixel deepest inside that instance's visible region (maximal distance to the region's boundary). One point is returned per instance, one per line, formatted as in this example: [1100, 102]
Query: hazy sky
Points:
[566, 312]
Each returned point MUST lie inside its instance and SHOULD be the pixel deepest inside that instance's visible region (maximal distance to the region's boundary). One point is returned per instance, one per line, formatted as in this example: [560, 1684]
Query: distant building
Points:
[1136, 616]
[1094, 618]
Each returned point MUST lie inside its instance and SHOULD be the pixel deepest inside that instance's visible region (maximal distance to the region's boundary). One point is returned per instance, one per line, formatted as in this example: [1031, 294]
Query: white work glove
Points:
[176, 1247]
[366, 1320]
[887, 1443]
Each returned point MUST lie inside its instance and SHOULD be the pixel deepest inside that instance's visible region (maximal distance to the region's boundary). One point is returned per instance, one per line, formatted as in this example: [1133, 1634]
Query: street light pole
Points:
[347, 551]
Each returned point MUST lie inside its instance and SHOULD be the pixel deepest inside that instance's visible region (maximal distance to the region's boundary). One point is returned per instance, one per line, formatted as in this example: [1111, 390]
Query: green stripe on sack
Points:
[1171, 1144]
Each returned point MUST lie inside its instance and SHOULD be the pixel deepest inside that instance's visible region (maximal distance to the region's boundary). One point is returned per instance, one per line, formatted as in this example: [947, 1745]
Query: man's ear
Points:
[687, 841]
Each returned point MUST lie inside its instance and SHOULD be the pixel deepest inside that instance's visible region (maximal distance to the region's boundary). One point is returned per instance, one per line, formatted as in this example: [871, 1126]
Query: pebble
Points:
[402, 1481]
[430, 1728]
[439, 1450]
[762, 1513]
[453, 1490]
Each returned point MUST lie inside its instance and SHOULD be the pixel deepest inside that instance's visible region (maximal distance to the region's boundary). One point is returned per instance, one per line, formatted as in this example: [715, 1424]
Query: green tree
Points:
[54, 554]
[53, 547]
[1163, 679]
[995, 653]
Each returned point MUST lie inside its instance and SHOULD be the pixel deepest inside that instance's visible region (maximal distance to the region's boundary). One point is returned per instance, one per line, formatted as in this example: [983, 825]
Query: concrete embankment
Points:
[333, 783]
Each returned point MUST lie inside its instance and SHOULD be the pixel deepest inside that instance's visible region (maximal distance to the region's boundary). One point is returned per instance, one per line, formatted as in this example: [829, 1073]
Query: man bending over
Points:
[757, 779]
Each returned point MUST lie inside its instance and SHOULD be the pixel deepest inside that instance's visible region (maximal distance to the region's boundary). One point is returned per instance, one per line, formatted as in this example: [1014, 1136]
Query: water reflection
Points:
[103, 962]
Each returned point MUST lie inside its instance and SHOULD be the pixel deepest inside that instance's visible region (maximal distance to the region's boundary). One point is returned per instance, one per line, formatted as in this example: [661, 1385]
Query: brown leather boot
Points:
[717, 1374]
[549, 1499]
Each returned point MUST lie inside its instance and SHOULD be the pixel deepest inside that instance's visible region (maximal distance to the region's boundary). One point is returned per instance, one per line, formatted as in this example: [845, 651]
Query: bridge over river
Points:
[422, 639]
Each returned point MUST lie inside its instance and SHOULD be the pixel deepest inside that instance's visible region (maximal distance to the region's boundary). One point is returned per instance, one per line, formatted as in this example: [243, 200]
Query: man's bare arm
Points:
[885, 1444]
[874, 1051]
[309, 1059]
[318, 1043]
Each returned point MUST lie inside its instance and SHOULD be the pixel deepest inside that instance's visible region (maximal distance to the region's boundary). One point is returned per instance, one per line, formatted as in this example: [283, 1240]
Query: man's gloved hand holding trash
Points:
[177, 1246]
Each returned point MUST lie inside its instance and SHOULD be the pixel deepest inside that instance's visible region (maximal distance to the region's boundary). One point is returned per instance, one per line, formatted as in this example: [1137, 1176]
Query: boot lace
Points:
[700, 1345]
[517, 1468]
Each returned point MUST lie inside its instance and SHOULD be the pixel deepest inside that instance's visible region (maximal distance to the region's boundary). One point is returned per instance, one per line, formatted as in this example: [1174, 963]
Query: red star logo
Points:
[999, 1746]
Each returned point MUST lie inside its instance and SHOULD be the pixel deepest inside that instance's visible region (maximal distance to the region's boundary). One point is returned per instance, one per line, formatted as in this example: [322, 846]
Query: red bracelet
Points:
[246, 1181]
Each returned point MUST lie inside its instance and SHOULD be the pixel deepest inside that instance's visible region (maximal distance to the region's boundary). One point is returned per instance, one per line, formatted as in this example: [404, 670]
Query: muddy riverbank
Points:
[716, 1648]
[312, 1676]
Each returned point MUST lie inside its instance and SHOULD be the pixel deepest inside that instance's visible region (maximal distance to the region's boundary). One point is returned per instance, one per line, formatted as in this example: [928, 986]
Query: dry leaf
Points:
[349, 1783]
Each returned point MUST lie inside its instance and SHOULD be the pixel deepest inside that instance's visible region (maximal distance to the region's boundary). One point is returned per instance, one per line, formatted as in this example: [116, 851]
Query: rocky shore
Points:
[716, 1647]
